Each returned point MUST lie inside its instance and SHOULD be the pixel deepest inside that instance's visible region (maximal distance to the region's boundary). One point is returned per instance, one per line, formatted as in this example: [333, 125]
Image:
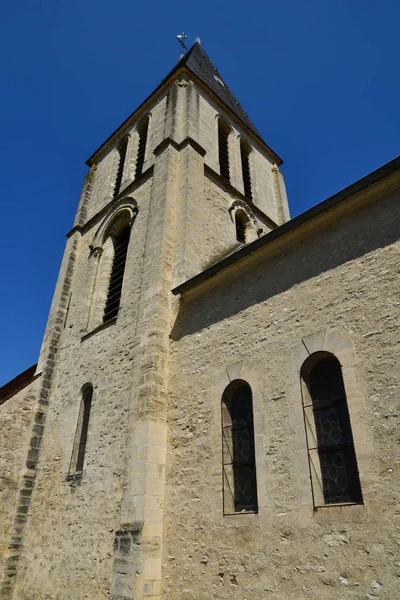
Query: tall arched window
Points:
[120, 243]
[81, 433]
[223, 150]
[244, 155]
[107, 260]
[238, 452]
[332, 457]
[121, 149]
[141, 153]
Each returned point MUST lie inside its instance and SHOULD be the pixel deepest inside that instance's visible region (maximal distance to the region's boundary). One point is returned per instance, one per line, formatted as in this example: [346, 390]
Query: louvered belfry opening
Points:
[141, 154]
[81, 434]
[122, 147]
[223, 151]
[113, 301]
[333, 438]
[238, 449]
[244, 154]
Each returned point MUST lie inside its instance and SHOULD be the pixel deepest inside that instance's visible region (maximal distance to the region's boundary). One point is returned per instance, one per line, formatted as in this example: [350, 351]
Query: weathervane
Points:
[181, 37]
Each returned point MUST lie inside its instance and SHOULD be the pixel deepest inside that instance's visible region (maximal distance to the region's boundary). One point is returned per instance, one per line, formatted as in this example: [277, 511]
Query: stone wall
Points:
[15, 422]
[69, 539]
[331, 283]
[103, 184]
[261, 164]
[340, 278]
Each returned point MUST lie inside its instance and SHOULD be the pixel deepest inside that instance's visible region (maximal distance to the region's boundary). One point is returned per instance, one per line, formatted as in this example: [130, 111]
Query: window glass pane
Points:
[333, 425]
[245, 487]
[339, 476]
[238, 451]
[337, 471]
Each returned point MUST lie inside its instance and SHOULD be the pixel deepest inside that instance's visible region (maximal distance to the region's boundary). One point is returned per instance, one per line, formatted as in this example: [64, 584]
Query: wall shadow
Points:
[351, 237]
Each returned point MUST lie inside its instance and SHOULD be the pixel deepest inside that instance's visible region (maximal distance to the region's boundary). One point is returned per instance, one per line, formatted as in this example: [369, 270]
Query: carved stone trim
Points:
[241, 205]
[186, 142]
[121, 205]
[183, 82]
[96, 252]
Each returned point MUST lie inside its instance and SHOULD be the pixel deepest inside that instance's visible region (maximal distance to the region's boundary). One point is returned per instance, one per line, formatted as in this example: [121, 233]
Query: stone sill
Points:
[242, 512]
[349, 511]
[99, 328]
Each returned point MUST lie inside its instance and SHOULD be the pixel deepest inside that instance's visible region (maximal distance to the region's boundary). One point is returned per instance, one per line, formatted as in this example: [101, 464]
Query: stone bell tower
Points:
[184, 181]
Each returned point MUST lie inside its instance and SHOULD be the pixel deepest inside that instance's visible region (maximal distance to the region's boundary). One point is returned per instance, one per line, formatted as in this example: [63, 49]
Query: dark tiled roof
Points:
[198, 61]
[17, 384]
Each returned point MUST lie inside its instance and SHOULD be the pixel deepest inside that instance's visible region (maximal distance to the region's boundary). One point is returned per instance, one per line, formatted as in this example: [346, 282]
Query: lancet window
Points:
[121, 150]
[238, 449]
[81, 433]
[332, 458]
[120, 243]
[246, 174]
[141, 153]
[223, 148]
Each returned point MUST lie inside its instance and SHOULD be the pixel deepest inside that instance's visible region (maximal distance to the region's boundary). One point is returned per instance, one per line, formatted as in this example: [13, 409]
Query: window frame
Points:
[122, 151]
[79, 448]
[101, 254]
[245, 152]
[233, 503]
[142, 144]
[224, 132]
[120, 241]
[315, 433]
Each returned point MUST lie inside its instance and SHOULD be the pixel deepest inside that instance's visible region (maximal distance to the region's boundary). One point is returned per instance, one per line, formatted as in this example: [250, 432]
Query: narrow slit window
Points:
[81, 434]
[332, 458]
[141, 154]
[241, 224]
[245, 154]
[238, 450]
[121, 149]
[223, 150]
[121, 242]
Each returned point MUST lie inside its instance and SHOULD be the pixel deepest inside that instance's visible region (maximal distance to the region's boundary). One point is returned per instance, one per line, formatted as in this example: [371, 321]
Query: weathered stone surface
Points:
[144, 519]
[15, 422]
[343, 278]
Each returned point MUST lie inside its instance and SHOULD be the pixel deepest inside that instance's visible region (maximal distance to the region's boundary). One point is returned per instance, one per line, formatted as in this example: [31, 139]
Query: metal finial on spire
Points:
[181, 37]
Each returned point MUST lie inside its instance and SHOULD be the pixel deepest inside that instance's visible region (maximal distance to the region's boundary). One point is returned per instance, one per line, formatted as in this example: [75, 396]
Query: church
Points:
[214, 413]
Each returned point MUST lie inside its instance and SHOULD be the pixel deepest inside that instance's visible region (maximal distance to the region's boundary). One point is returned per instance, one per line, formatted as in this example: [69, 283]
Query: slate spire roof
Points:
[201, 65]
[197, 61]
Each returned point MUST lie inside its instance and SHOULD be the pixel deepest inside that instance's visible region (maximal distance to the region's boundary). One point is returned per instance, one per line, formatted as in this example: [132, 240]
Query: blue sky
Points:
[319, 78]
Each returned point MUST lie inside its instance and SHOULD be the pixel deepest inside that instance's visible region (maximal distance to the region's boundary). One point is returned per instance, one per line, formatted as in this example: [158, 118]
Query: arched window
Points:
[81, 433]
[332, 457]
[238, 453]
[121, 149]
[244, 155]
[108, 255]
[141, 153]
[223, 151]
[241, 225]
[120, 243]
